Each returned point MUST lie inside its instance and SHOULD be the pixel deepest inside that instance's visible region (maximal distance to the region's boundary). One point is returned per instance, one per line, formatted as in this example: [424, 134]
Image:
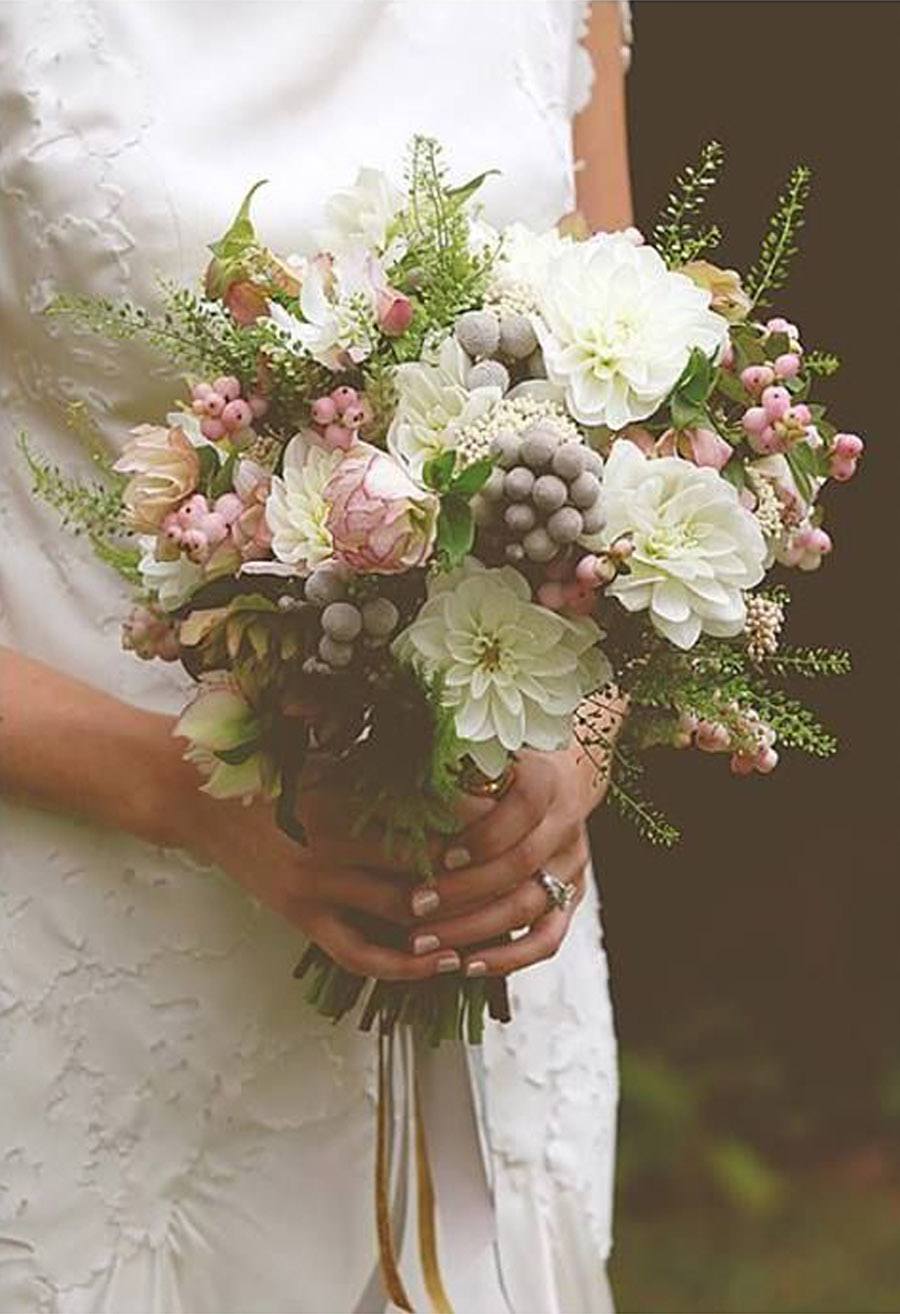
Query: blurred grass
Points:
[828, 1251]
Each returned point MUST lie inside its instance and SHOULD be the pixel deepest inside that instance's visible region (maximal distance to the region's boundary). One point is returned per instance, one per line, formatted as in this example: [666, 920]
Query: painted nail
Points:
[477, 967]
[457, 857]
[424, 944]
[424, 902]
[448, 963]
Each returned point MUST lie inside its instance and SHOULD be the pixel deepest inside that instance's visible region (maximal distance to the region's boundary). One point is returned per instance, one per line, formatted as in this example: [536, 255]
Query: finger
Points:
[380, 895]
[458, 890]
[512, 816]
[524, 905]
[535, 946]
[351, 950]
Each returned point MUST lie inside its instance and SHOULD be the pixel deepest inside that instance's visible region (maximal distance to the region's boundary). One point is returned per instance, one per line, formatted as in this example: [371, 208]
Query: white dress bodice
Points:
[178, 1133]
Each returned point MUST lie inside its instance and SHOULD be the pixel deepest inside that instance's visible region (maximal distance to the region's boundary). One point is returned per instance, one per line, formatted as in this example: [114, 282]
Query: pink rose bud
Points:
[552, 595]
[754, 420]
[742, 764]
[395, 312]
[776, 402]
[338, 435]
[214, 405]
[344, 397]
[229, 506]
[323, 410]
[766, 760]
[212, 429]
[787, 366]
[381, 522]
[227, 387]
[586, 570]
[756, 377]
[245, 303]
[708, 448]
[258, 405]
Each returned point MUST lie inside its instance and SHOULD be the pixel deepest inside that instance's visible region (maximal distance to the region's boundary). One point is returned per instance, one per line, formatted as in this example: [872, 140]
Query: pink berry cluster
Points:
[224, 412]
[805, 547]
[844, 456]
[339, 415]
[150, 633]
[572, 587]
[198, 528]
[750, 742]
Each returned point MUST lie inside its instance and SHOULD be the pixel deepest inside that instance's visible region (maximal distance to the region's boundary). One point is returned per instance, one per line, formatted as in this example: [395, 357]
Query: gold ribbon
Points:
[428, 1249]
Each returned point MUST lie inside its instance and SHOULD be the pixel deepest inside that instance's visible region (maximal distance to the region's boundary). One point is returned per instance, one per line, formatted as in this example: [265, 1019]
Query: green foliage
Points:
[439, 269]
[456, 527]
[809, 662]
[692, 391]
[822, 363]
[90, 508]
[675, 233]
[770, 272]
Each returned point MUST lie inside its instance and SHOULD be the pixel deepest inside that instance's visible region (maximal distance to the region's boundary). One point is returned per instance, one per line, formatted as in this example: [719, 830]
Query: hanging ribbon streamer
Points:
[427, 1228]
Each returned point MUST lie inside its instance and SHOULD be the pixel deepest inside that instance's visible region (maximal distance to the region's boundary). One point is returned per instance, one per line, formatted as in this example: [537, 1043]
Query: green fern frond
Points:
[770, 272]
[675, 233]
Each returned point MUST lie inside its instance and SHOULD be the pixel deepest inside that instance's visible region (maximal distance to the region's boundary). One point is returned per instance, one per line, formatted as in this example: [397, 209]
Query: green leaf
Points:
[438, 471]
[801, 470]
[473, 477]
[209, 465]
[222, 481]
[251, 602]
[241, 233]
[459, 195]
[456, 530]
[735, 473]
[731, 387]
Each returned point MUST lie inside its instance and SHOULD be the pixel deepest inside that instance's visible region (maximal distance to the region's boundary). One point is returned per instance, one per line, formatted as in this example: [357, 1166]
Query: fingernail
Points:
[457, 857]
[424, 944]
[424, 901]
[448, 963]
[477, 967]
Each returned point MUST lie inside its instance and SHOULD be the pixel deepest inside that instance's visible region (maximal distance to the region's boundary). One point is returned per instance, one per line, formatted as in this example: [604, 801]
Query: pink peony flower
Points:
[381, 522]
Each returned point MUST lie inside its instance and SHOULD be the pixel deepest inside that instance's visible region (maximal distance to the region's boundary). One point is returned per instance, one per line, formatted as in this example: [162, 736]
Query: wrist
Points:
[163, 807]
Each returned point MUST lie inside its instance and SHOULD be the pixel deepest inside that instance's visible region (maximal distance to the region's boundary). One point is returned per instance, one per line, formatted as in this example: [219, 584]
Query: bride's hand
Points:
[320, 887]
[492, 888]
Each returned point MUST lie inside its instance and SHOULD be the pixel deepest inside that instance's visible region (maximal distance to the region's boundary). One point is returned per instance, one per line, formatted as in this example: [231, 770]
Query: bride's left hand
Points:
[492, 887]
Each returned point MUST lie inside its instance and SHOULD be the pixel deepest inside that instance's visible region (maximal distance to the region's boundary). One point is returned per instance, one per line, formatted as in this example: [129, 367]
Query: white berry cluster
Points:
[765, 619]
[511, 414]
[345, 623]
[543, 495]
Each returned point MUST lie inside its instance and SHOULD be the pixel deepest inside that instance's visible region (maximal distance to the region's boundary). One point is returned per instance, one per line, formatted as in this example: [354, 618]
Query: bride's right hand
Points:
[320, 887]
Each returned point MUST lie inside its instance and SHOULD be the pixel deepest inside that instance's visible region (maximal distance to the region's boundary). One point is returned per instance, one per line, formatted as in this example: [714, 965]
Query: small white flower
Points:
[695, 548]
[338, 301]
[513, 671]
[172, 581]
[617, 328]
[362, 214]
[434, 406]
[296, 510]
[519, 272]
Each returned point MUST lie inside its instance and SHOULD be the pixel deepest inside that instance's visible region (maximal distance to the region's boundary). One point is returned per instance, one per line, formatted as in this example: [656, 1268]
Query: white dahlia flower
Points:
[617, 328]
[296, 509]
[695, 548]
[519, 272]
[513, 671]
[434, 406]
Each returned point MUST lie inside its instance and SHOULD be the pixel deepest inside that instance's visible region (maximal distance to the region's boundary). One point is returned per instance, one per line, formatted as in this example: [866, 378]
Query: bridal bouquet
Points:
[435, 493]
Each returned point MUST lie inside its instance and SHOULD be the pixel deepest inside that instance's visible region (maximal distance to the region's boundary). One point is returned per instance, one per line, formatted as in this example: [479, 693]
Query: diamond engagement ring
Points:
[559, 893]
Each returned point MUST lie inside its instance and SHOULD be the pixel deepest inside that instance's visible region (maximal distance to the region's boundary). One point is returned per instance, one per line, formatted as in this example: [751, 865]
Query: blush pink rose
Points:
[702, 446]
[380, 521]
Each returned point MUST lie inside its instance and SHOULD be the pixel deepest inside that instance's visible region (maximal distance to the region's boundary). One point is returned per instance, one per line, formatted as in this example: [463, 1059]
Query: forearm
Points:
[71, 748]
[601, 135]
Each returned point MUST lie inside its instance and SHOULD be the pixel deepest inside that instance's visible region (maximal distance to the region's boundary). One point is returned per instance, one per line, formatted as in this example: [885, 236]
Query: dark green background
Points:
[756, 969]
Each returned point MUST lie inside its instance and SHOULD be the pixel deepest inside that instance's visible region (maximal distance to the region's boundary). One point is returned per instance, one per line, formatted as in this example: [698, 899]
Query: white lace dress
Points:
[178, 1133]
